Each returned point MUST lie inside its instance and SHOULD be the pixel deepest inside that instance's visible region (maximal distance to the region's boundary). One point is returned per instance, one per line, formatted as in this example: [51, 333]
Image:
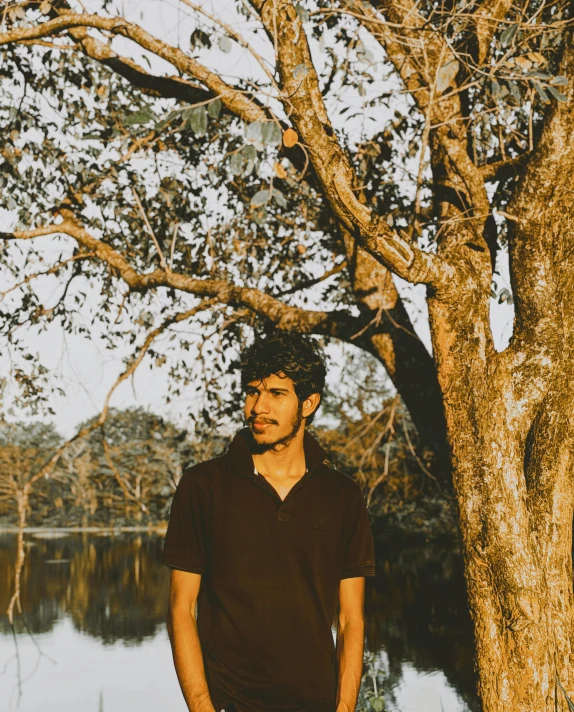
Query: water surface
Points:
[93, 633]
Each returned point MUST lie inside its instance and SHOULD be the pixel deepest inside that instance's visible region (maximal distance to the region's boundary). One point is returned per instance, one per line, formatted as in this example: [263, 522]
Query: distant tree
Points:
[24, 450]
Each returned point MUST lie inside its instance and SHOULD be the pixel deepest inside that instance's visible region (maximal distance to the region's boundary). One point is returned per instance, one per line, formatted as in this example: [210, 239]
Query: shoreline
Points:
[157, 529]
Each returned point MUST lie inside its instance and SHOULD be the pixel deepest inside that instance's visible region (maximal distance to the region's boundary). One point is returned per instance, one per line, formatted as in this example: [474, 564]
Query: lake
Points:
[93, 634]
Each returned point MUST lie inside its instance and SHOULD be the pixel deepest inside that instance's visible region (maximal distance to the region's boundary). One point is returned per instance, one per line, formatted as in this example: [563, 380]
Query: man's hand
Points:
[350, 642]
[185, 645]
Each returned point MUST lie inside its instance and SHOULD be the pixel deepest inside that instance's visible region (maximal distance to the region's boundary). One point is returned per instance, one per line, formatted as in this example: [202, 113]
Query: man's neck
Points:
[284, 461]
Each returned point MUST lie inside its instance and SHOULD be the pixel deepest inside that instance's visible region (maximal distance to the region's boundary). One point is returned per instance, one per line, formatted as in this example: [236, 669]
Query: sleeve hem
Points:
[177, 562]
[366, 569]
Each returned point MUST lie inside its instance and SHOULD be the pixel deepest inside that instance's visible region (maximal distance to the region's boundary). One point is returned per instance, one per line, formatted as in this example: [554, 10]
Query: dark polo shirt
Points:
[270, 576]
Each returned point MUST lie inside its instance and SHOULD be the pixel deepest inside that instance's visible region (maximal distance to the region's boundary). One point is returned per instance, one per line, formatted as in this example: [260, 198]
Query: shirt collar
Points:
[239, 461]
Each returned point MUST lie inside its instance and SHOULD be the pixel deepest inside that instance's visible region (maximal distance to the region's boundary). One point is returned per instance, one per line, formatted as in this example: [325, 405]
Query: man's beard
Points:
[260, 448]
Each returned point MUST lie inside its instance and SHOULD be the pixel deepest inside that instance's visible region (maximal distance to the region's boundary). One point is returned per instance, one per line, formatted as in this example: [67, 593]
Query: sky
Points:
[84, 368]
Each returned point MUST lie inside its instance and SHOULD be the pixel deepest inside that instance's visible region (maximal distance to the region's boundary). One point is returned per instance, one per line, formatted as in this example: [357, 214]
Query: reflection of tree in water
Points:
[112, 587]
[417, 610]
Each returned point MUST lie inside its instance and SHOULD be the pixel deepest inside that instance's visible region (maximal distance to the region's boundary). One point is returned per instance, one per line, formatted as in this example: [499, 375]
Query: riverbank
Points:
[432, 519]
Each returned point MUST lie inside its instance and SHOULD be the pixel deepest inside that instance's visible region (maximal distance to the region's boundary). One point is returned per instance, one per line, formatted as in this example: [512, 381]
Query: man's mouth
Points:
[260, 426]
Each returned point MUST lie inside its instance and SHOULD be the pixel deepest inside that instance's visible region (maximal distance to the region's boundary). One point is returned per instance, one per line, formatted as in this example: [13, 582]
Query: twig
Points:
[150, 230]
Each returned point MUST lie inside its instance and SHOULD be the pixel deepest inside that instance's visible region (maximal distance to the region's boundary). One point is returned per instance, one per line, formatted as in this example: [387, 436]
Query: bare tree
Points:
[153, 187]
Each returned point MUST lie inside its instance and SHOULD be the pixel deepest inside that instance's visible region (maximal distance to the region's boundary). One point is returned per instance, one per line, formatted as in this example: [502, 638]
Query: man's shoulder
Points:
[203, 472]
[345, 484]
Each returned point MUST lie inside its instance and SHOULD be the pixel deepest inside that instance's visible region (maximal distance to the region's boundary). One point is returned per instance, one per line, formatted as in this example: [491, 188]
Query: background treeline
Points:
[125, 473]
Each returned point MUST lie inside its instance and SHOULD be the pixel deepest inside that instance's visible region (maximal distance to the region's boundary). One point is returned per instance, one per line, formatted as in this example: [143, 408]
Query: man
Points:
[268, 539]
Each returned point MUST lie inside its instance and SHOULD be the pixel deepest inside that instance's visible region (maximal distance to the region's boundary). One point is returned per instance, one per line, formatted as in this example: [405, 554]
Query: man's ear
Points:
[310, 404]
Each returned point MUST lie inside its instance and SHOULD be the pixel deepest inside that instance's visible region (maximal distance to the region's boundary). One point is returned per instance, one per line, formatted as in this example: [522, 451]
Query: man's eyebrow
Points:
[280, 390]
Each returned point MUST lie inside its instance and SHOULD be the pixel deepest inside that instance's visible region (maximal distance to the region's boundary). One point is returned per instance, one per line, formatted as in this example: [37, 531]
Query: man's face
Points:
[272, 411]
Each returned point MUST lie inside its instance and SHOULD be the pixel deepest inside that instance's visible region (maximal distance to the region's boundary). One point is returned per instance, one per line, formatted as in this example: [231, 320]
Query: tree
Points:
[280, 199]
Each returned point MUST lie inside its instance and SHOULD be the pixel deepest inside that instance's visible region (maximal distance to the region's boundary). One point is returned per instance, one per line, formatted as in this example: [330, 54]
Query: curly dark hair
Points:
[294, 356]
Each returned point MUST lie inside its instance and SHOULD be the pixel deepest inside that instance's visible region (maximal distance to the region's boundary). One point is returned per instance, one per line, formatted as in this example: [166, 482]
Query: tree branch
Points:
[338, 324]
[233, 99]
[304, 103]
[418, 62]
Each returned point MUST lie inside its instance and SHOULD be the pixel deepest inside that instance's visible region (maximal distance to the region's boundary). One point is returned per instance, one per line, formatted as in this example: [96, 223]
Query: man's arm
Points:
[350, 641]
[185, 645]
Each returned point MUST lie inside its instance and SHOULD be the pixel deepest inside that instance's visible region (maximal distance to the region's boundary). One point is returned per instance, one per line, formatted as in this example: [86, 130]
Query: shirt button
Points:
[283, 516]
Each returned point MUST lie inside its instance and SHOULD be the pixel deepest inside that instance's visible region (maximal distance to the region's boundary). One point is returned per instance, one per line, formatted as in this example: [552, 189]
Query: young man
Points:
[269, 540]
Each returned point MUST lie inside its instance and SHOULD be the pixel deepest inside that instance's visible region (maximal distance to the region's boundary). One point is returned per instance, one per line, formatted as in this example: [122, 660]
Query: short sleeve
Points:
[359, 558]
[187, 541]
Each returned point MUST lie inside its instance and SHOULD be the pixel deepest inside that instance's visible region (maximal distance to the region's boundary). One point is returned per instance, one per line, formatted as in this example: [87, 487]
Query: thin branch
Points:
[338, 323]
[234, 99]
[150, 229]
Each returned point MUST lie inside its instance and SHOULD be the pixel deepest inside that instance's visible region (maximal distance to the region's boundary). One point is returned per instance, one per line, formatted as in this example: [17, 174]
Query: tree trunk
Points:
[512, 471]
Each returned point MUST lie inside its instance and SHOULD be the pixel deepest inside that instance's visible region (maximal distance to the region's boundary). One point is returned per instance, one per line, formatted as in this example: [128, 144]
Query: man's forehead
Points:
[275, 380]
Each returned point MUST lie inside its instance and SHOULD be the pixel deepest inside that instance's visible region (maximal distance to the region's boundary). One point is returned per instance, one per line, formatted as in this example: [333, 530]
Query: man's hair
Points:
[294, 356]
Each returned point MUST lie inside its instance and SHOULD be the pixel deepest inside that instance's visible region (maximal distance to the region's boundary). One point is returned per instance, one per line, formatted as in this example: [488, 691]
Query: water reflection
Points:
[417, 611]
[113, 589]
[110, 586]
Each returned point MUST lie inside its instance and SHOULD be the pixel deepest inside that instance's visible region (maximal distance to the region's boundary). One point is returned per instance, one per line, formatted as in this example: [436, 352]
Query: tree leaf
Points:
[236, 164]
[279, 198]
[557, 94]
[214, 109]
[280, 171]
[271, 133]
[523, 62]
[290, 138]
[300, 71]
[224, 44]
[559, 81]
[198, 120]
[45, 7]
[541, 93]
[446, 75]
[249, 152]
[260, 198]
[199, 39]
[143, 116]
[253, 131]
[302, 13]
[508, 35]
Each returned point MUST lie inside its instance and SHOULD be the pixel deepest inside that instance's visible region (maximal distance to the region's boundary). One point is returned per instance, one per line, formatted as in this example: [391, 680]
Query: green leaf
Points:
[143, 116]
[559, 81]
[260, 198]
[249, 167]
[279, 198]
[541, 93]
[515, 92]
[198, 120]
[271, 133]
[300, 71]
[537, 74]
[249, 152]
[214, 109]
[302, 13]
[557, 94]
[253, 131]
[378, 704]
[508, 35]
[236, 164]
[224, 44]
[446, 75]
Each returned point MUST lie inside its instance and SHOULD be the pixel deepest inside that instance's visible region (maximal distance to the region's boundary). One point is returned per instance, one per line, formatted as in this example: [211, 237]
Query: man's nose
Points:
[261, 405]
